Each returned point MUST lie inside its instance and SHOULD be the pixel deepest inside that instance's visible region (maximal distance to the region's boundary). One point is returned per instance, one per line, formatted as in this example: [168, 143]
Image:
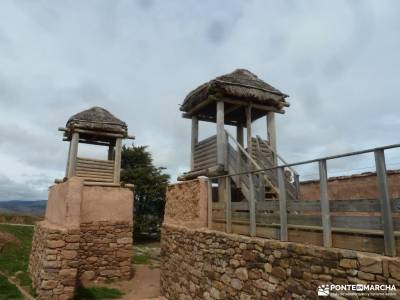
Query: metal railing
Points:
[384, 199]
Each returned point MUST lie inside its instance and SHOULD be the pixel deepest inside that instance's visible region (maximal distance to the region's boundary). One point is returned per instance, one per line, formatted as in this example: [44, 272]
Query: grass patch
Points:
[141, 259]
[97, 293]
[8, 291]
[15, 257]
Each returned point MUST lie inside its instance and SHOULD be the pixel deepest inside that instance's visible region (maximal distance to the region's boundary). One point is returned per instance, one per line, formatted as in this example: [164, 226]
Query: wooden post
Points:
[69, 154]
[297, 185]
[228, 205]
[209, 204]
[117, 160]
[248, 127]
[325, 210]
[73, 153]
[282, 204]
[220, 134]
[252, 206]
[389, 241]
[195, 139]
[271, 133]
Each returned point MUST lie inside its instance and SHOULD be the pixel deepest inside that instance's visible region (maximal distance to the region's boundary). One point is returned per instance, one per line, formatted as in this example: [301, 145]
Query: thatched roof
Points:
[240, 84]
[95, 121]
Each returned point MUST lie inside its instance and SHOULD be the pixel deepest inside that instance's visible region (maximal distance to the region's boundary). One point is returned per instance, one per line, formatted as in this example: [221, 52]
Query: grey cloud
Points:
[139, 60]
[11, 190]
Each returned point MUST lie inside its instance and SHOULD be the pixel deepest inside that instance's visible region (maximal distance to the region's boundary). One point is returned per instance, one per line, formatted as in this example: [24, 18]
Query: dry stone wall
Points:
[205, 264]
[105, 251]
[54, 261]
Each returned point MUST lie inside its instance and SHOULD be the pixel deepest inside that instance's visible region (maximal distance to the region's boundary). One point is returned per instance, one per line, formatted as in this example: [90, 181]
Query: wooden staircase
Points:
[263, 185]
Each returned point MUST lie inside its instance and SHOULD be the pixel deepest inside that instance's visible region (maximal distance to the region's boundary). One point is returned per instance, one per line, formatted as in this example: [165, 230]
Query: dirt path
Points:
[145, 284]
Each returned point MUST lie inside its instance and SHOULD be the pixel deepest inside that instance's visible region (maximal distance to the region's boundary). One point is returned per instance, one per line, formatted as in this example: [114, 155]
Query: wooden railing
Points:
[368, 224]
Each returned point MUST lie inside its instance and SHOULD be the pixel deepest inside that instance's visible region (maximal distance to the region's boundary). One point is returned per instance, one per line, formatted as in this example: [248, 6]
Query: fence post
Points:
[390, 246]
[325, 210]
[228, 205]
[252, 206]
[297, 185]
[209, 203]
[282, 205]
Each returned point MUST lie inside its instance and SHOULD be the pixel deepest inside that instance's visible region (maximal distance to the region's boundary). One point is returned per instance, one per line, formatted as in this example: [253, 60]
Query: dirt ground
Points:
[145, 283]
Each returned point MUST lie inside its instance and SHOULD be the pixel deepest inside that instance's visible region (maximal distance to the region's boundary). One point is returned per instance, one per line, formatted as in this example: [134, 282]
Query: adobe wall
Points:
[89, 229]
[199, 263]
[360, 186]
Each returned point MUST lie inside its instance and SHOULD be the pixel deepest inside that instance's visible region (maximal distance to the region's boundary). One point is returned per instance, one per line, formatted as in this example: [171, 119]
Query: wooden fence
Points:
[371, 225]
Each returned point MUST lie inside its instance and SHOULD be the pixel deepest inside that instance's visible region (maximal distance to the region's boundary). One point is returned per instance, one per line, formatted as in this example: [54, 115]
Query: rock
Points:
[49, 284]
[242, 274]
[316, 269]
[214, 293]
[236, 284]
[69, 254]
[348, 263]
[53, 244]
[68, 273]
[366, 276]
[394, 269]
[126, 240]
[87, 275]
[268, 267]
[370, 265]
[279, 272]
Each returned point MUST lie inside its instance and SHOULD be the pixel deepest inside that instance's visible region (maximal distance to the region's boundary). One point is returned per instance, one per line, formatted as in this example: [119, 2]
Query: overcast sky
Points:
[338, 60]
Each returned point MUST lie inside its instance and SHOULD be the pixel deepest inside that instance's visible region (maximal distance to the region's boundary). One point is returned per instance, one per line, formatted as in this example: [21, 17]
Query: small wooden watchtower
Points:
[95, 126]
[238, 98]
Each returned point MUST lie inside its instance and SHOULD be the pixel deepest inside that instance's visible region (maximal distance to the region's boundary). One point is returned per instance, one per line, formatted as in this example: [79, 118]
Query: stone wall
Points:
[105, 251]
[54, 261]
[86, 236]
[205, 264]
[360, 186]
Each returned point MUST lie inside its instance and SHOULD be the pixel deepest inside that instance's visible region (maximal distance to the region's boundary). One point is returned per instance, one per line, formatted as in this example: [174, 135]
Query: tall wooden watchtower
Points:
[238, 99]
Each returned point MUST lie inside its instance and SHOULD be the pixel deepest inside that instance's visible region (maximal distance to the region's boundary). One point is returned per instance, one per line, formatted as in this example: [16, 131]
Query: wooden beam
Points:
[271, 133]
[389, 241]
[325, 210]
[240, 140]
[228, 204]
[194, 139]
[220, 134]
[282, 205]
[201, 105]
[110, 155]
[67, 166]
[232, 109]
[248, 127]
[209, 119]
[73, 154]
[117, 160]
[266, 108]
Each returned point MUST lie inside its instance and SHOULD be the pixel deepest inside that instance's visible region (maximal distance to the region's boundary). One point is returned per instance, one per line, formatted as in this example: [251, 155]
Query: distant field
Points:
[27, 208]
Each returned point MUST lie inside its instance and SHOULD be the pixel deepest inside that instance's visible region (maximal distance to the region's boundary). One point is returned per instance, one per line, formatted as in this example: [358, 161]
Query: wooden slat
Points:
[95, 161]
[94, 166]
[209, 204]
[95, 171]
[228, 210]
[99, 175]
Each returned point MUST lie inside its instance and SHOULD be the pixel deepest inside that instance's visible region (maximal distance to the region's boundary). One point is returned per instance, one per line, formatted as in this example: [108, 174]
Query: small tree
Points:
[150, 186]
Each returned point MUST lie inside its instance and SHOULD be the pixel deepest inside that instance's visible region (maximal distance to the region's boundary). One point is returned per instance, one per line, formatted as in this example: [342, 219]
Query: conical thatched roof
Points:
[240, 84]
[96, 114]
[94, 122]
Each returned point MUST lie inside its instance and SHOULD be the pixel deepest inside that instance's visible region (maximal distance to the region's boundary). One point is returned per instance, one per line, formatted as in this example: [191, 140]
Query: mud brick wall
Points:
[205, 264]
[360, 186]
[105, 250]
[54, 262]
